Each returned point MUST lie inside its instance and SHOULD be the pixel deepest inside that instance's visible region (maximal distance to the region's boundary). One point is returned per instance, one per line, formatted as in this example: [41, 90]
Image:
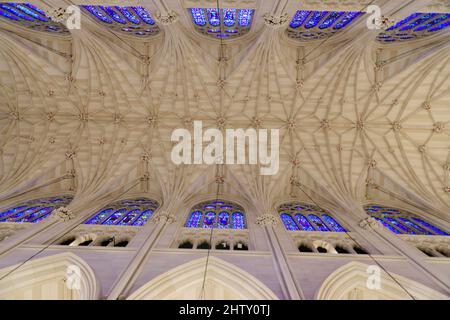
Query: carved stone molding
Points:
[63, 214]
[274, 21]
[164, 216]
[267, 220]
[370, 223]
[168, 18]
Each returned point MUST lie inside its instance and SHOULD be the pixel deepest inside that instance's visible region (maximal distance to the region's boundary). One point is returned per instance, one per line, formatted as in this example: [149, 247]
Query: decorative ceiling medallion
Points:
[314, 25]
[134, 21]
[225, 23]
[416, 26]
[32, 17]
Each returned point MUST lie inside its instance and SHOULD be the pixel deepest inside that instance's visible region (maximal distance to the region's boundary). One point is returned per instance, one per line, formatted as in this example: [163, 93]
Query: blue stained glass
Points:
[299, 18]
[432, 23]
[304, 223]
[16, 12]
[314, 20]
[194, 220]
[208, 220]
[21, 214]
[440, 27]
[128, 14]
[100, 216]
[245, 17]
[404, 21]
[144, 15]
[115, 217]
[9, 15]
[387, 225]
[11, 211]
[143, 218]
[347, 19]
[419, 21]
[318, 223]
[129, 218]
[113, 14]
[333, 223]
[224, 218]
[289, 223]
[331, 19]
[414, 225]
[42, 213]
[430, 226]
[238, 220]
[399, 225]
[28, 11]
[198, 14]
[42, 12]
[229, 17]
[213, 17]
[98, 14]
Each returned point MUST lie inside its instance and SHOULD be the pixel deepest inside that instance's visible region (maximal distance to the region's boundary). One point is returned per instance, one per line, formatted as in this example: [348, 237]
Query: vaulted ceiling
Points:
[95, 109]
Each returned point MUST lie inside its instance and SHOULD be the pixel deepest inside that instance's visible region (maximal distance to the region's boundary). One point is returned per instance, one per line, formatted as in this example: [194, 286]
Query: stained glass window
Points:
[415, 26]
[130, 212]
[30, 16]
[314, 25]
[401, 221]
[306, 217]
[135, 21]
[217, 214]
[223, 23]
[34, 210]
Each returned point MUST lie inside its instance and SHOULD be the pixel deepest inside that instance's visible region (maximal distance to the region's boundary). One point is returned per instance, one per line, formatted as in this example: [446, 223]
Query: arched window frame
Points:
[198, 215]
[35, 210]
[308, 217]
[132, 212]
[401, 221]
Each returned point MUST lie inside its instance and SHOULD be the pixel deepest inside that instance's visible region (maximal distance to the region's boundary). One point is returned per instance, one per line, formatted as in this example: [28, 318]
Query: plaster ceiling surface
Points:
[349, 108]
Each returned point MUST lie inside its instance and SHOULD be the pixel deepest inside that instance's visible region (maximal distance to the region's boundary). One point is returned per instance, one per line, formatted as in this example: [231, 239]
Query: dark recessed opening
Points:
[360, 250]
[222, 246]
[204, 245]
[240, 246]
[427, 252]
[85, 243]
[67, 241]
[186, 245]
[340, 249]
[123, 243]
[304, 248]
[322, 250]
[105, 242]
[443, 252]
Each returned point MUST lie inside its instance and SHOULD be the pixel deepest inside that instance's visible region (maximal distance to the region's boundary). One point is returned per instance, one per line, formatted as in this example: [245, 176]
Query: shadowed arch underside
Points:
[62, 276]
[223, 281]
[349, 282]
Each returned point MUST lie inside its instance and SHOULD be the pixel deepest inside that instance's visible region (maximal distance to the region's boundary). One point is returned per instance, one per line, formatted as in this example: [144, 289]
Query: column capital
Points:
[168, 18]
[370, 223]
[275, 21]
[164, 216]
[63, 214]
[267, 219]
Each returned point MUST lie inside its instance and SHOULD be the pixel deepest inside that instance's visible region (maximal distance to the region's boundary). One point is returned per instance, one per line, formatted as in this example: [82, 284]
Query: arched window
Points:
[134, 21]
[402, 222]
[415, 26]
[131, 212]
[217, 214]
[226, 23]
[34, 210]
[313, 25]
[306, 217]
[31, 16]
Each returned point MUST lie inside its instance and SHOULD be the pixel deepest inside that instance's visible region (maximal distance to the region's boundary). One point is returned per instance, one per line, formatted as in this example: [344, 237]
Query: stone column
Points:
[290, 288]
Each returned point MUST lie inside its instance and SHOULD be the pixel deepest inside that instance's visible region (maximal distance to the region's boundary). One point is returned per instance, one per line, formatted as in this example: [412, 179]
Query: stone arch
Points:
[48, 279]
[223, 281]
[349, 283]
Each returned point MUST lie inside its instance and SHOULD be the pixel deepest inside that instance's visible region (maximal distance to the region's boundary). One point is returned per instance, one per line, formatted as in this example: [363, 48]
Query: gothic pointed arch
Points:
[62, 276]
[350, 282]
[223, 281]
